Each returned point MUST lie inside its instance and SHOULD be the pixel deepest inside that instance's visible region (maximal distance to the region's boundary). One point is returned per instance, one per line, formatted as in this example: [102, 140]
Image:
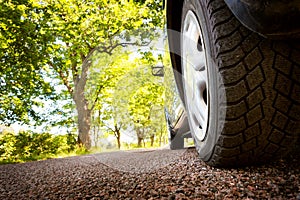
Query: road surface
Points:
[147, 174]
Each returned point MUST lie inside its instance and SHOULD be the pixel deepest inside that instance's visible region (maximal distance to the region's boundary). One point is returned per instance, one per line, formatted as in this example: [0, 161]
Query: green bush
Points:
[7, 146]
[27, 146]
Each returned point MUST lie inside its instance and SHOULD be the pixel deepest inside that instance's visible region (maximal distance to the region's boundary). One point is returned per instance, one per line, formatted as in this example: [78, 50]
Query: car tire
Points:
[250, 103]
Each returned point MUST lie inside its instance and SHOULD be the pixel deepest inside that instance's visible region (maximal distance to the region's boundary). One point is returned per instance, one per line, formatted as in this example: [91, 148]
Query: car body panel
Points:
[174, 109]
[270, 18]
[273, 19]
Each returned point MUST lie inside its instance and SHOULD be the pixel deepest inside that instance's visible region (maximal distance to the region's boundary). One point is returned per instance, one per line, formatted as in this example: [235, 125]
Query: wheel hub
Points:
[195, 76]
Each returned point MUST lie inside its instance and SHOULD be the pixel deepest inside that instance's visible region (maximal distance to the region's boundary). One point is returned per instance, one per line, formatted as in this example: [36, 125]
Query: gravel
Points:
[170, 175]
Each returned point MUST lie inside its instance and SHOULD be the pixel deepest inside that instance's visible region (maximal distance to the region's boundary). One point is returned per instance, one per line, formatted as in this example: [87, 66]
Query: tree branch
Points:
[112, 130]
[62, 76]
[97, 97]
[74, 68]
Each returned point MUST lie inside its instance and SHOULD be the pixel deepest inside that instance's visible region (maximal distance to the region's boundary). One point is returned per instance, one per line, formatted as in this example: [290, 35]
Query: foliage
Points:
[127, 92]
[143, 101]
[23, 47]
[142, 95]
[87, 29]
[108, 115]
[27, 146]
[58, 39]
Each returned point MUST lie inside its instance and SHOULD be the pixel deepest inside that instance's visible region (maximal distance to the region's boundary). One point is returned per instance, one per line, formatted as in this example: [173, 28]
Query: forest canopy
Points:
[51, 51]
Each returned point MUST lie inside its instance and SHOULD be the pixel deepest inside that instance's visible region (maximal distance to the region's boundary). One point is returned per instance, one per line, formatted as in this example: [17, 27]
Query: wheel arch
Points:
[173, 14]
[272, 19]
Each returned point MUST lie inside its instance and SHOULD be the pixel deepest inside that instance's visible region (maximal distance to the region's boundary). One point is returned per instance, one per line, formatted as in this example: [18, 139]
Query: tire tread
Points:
[261, 80]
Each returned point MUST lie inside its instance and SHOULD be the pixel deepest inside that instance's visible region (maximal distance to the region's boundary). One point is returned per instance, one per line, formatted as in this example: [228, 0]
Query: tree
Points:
[102, 85]
[137, 94]
[67, 35]
[158, 126]
[84, 29]
[23, 47]
[120, 78]
[142, 105]
[146, 102]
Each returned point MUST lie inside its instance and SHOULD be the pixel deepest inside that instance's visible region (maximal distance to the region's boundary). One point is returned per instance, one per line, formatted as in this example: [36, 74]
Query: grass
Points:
[22, 159]
[77, 152]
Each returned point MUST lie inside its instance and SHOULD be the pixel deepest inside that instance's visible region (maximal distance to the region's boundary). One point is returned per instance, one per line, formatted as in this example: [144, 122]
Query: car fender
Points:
[270, 18]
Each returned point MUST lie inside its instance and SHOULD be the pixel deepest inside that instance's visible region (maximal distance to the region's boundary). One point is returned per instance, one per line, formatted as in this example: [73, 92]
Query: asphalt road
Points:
[147, 174]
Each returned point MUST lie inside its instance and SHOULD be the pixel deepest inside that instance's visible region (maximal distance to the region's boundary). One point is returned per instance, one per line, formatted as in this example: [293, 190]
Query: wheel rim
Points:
[195, 76]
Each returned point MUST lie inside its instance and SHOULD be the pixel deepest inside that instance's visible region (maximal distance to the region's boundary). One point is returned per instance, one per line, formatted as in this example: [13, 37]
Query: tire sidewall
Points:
[206, 147]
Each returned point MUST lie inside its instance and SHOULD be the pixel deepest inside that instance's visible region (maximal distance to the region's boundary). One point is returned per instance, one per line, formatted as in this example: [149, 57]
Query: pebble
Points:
[182, 177]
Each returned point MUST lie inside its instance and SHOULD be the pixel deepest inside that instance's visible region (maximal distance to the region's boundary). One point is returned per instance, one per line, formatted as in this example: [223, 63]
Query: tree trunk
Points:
[84, 123]
[152, 140]
[160, 136]
[95, 128]
[140, 141]
[82, 104]
[118, 136]
[95, 132]
[84, 115]
[140, 136]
